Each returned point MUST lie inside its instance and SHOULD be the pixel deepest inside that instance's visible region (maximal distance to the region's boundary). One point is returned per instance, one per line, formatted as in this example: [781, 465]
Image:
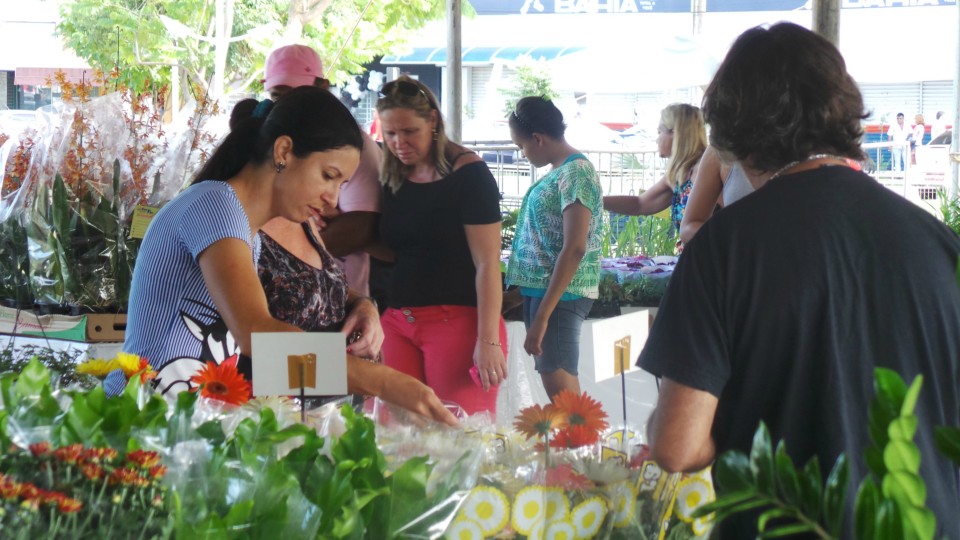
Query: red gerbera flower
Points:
[40, 450]
[69, 454]
[223, 383]
[143, 458]
[574, 437]
[69, 505]
[581, 410]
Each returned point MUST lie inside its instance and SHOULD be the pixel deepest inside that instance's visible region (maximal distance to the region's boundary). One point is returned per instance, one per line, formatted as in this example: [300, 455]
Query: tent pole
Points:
[453, 86]
[826, 19]
[955, 140]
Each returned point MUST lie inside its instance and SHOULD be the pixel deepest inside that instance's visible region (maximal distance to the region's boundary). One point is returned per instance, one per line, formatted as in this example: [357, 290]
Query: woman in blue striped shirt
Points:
[196, 296]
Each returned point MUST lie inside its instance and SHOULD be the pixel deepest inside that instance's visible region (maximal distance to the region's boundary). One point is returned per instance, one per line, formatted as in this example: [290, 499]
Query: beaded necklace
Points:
[814, 157]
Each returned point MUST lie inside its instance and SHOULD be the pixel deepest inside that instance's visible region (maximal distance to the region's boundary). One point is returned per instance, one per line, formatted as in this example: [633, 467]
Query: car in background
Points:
[13, 122]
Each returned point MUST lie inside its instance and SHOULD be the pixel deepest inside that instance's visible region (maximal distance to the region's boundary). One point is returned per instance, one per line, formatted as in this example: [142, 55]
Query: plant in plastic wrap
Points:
[18, 157]
[574, 483]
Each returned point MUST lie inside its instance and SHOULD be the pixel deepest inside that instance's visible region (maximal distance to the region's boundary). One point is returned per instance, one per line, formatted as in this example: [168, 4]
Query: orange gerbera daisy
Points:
[581, 410]
[223, 383]
[539, 421]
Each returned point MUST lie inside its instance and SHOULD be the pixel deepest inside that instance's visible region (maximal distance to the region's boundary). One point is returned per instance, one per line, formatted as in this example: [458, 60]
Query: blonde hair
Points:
[689, 139]
[918, 119]
[423, 103]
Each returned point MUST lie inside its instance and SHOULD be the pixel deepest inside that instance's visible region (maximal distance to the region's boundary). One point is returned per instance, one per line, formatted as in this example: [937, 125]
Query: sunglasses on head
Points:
[406, 89]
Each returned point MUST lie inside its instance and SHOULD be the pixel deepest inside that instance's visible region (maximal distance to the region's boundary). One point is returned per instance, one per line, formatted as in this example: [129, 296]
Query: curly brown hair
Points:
[781, 95]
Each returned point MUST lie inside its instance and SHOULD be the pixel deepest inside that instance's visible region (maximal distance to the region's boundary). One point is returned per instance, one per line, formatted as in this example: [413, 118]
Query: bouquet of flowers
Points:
[564, 473]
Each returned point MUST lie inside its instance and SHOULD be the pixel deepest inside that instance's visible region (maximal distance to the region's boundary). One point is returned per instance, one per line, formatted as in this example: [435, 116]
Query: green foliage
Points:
[890, 502]
[61, 363]
[14, 265]
[147, 50]
[649, 235]
[508, 227]
[532, 78]
[949, 210]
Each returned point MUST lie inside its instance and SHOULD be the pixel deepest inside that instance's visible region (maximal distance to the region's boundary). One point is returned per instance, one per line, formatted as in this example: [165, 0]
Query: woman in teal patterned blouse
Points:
[555, 260]
[681, 137]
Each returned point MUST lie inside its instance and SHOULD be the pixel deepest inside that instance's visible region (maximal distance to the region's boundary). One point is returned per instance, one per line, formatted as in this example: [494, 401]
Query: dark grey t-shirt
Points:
[784, 303]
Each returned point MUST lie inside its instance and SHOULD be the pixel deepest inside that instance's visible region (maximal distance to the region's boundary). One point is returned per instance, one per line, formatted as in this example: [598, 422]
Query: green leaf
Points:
[889, 386]
[788, 530]
[787, 476]
[903, 428]
[906, 488]
[901, 456]
[773, 513]
[889, 522]
[725, 501]
[865, 509]
[835, 495]
[761, 461]
[732, 472]
[910, 399]
[921, 521]
[32, 381]
[948, 442]
[810, 489]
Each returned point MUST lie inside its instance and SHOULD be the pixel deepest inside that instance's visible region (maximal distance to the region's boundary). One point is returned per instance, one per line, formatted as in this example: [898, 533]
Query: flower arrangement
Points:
[193, 469]
[69, 189]
[565, 473]
[222, 382]
[75, 491]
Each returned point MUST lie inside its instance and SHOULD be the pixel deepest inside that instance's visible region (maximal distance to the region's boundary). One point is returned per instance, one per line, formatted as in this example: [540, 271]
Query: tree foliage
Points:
[146, 49]
[532, 78]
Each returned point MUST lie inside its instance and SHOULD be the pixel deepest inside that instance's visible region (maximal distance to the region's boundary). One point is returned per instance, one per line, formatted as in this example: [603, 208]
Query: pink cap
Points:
[293, 66]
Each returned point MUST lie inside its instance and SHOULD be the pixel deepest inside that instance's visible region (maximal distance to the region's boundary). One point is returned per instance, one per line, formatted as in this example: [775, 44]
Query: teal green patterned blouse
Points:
[539, 233]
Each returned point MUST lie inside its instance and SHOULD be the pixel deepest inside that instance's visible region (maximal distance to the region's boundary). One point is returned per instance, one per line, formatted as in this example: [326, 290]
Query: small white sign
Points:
[280, 358]
[609, 346]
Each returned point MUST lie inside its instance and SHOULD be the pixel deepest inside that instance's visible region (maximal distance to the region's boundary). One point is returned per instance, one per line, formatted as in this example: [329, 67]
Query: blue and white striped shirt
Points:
[172, 320]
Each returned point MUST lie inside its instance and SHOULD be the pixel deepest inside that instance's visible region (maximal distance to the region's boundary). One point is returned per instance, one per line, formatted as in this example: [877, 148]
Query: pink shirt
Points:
[361, 194]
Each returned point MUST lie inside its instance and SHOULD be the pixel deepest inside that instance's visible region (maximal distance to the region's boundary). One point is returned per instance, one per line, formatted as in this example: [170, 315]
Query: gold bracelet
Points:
[494, 343]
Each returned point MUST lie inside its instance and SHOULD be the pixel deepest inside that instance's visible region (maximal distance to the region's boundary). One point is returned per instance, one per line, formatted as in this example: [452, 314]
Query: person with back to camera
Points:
[351, 227]
[196, 296]
[441, 218]
[682, 138]
[783, 304]
[555, 259]
[717, 184]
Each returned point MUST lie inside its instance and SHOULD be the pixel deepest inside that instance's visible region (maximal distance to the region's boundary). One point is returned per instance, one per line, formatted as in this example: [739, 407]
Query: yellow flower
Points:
[692, 493]
[464, 529]
[529, 507]
[131, 363]
[97, 367]
[588, 516]
[622, 502]
[488, 507]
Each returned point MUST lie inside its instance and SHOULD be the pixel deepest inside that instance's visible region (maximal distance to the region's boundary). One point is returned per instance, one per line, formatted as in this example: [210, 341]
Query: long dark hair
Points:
[781, 95]
[313, 118]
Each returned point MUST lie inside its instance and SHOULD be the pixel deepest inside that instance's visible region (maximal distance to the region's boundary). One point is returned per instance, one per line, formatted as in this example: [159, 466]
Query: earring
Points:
[281, 166]
[436, 134]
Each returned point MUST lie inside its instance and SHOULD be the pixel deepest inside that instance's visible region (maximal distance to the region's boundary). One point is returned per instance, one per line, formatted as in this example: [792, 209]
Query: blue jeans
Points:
[896, 154]
[561, 341]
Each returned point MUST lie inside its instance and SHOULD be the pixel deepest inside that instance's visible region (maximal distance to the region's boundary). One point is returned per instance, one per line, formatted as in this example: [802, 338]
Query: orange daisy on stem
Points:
[223, 383]
[581, 410]
[538, 420]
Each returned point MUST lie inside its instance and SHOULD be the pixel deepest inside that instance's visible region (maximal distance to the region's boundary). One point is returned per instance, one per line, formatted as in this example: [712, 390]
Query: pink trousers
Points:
[435, 344]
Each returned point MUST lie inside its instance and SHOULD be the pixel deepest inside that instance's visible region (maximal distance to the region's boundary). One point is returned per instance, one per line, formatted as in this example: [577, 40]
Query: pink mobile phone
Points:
[475, 375]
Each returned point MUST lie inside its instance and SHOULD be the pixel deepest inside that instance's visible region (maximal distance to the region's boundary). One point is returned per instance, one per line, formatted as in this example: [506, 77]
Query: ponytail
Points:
[239, 146]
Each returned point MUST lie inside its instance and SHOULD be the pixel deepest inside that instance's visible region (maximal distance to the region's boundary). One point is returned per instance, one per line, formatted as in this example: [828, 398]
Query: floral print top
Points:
[680, 195]
[310, 298]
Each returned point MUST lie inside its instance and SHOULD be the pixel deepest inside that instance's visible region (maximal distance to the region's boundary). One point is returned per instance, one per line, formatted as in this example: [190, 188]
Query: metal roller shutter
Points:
[936, 96]
[884, 101]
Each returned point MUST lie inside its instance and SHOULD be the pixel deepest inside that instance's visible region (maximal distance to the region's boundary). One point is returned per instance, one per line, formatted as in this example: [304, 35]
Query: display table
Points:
[597, 370]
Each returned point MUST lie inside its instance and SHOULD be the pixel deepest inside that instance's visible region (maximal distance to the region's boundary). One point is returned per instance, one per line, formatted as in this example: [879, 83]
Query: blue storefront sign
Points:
[533, 7]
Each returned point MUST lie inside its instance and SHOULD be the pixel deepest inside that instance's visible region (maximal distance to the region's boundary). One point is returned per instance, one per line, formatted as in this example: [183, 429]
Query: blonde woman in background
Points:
[682, 138]
[441, 219]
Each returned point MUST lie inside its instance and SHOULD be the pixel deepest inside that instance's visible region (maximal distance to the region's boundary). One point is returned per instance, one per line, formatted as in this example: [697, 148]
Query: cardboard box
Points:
[106, 327]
